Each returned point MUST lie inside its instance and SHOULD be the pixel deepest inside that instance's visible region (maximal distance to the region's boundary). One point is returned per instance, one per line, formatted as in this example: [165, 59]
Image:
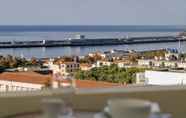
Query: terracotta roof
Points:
[32, 77]
[93, 84]
[64, 62]
[69, 62]
[27, 77]
[85, 65]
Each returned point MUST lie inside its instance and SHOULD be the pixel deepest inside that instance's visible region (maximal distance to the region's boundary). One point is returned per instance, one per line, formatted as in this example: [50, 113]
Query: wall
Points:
[171, 99]
[165, 78]
[18, 86]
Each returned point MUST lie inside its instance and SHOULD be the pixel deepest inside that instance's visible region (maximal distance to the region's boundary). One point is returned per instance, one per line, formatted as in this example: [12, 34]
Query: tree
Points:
[110, 74]
[13, 62]
[80, 75]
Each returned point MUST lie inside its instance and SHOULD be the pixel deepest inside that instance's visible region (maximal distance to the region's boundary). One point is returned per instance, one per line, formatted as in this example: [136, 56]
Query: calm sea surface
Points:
[47, 33]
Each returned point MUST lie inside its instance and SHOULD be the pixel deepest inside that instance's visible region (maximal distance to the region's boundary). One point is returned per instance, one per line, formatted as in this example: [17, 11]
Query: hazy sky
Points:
[93, 12]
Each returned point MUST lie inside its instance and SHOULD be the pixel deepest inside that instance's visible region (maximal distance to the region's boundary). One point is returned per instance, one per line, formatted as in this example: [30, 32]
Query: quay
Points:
[82, 41]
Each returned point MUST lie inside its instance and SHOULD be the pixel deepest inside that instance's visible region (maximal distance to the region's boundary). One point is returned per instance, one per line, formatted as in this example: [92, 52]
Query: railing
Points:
[170, 98]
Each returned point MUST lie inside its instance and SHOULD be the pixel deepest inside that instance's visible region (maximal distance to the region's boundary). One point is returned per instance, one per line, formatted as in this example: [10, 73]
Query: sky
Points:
[92, 12]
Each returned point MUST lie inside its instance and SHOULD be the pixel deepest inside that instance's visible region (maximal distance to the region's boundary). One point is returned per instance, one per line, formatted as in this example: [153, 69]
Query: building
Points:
[69, 67]
[22, 81]
[161, 63]
[88, 84]
[161, 78]
[85, 66]
[115, 54]
[123, 63]
[147, 62]
[140, 78]
[172, 55]
[31, 81]
[103, 63]
[119, 63]
[96, 54]
[64, 68]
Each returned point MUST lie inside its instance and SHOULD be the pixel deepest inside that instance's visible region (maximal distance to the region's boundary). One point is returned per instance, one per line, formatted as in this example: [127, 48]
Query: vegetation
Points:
[152, 54]
[133, 58]
[13, 62]
[88, 59]
[110, 74]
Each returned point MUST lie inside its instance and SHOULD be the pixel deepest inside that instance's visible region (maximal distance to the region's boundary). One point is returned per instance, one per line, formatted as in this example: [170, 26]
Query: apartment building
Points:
[64, 68]
[69, 67]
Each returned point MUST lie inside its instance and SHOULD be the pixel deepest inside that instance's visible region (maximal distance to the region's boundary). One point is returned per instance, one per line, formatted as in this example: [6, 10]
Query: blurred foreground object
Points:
[131, 108]
[56, 108]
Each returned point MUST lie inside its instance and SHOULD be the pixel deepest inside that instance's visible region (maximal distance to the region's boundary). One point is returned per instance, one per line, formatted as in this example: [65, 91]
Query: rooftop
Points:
[95, 84]
[27, 77]
[65, 62]
[85, 65]
[33, 77]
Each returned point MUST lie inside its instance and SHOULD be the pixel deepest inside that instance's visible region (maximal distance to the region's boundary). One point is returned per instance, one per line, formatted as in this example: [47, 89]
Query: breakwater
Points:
[89, 42]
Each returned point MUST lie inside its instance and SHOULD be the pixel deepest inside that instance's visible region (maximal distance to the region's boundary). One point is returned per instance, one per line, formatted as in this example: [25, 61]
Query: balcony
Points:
[170, 98]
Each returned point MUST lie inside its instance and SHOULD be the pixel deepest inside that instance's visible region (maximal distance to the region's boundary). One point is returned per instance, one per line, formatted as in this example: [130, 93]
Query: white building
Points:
[140, 78]
[123, 64]
[172, 54]
[29, 81]
[145, 62]
[163, 78]
[64, 68]
[161, 63]
[22, 81]
[103, 63]
[86, 67]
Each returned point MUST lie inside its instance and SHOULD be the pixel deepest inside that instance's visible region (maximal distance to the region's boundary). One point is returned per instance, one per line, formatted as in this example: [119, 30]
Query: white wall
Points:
[140, 78]
[165, 78]
[18, 86]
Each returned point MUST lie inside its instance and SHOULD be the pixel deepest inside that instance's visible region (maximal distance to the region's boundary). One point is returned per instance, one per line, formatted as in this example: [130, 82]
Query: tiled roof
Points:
[94, 84]
[90, 84]
[27, 77]
[85, 65]
[32, 77]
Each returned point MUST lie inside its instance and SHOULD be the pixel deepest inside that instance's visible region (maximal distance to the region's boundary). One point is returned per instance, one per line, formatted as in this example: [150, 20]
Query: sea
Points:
[15, 33]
